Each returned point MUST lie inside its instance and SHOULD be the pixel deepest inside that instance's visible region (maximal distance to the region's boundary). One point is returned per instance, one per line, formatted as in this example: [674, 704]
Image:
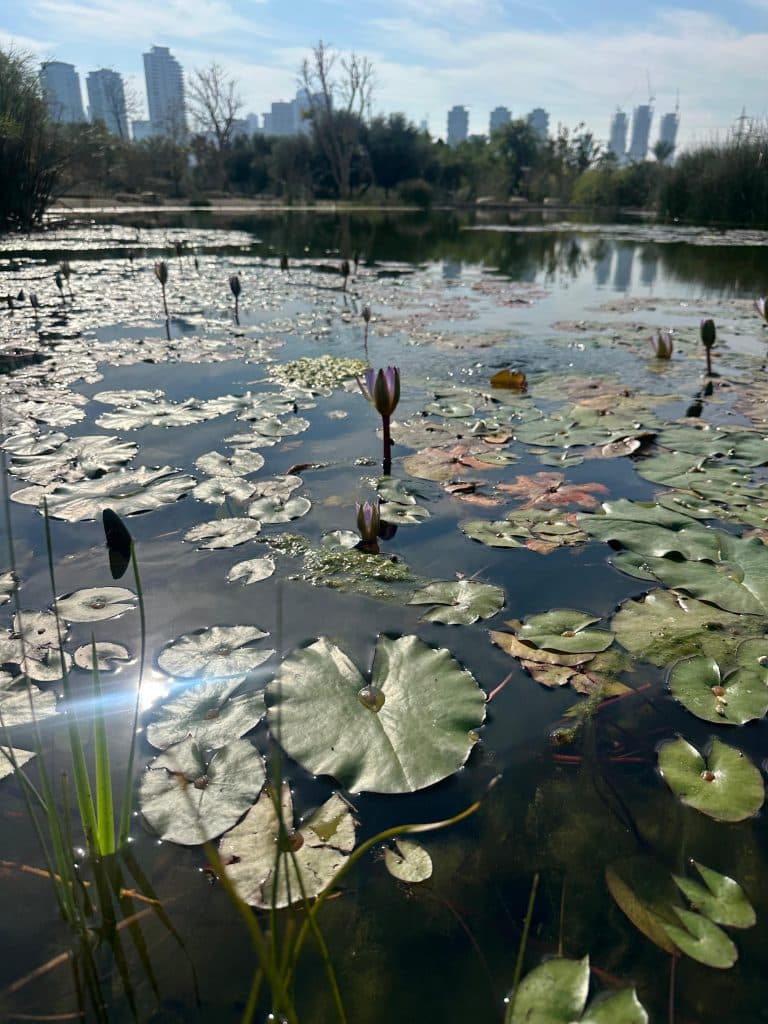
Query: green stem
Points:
[125, 818]
[521, 951]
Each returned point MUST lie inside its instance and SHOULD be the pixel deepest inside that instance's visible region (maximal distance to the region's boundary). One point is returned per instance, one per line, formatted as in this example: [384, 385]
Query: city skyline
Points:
[430, 55]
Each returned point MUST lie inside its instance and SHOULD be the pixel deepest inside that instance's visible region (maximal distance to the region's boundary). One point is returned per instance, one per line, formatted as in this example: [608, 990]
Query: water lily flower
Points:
[367, 314]
[761, 305]
[708, 338]
[368, 521]
[661, 343]
[234, 287]
[382, 389]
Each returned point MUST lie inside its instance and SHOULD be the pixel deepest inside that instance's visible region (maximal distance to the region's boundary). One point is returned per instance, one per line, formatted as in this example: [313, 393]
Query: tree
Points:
[214, 104]
[29, 162]
[663, 151]
[396, 149]
[338, 91]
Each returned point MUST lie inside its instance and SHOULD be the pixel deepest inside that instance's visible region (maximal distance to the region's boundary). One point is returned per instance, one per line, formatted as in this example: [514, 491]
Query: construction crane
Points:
[651, 97]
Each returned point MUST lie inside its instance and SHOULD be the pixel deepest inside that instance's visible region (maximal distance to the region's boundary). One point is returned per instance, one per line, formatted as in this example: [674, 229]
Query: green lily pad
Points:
[738, 697]
[224, 533]
[459, 602]
[721, 899]
[96, 603]
[188, 798]
[408, 862]
[702, 940]
[565, 629]
[107, 654]
[411, 727]
[618, 1008]
[644, 891]
[726, 785]
[269, 862]
[217, 651]
[277, 509]
[556, 992]
[252, 571]
[211, 713]
[496, 533]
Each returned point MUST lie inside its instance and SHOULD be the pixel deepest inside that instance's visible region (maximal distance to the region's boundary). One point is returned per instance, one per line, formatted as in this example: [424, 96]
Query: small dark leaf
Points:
[119, 543]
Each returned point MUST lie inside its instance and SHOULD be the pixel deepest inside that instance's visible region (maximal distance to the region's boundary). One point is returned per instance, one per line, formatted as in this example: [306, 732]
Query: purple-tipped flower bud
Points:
[708, 333]
[57, 277]
[344, 268]
[661, 343]
[284, 262]
[33, 300]
[368, 521]
[367, 314]
[761, 305]
[234, 285]
[382, 389]
[161, 272]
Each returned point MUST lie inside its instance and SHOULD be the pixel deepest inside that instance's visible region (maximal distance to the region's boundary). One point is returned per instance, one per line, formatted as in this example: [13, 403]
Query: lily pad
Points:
[224, 533]
[725, 785]
[496, 533]
[644, 891]
[215, 652]
[721, 899]
[188, 798]
[459, 602]
[252, 571]
[702, 940]
[21, 757]
[96, 603]
[566, 630]
[277, 509]
[211, 713]
[106, 656]
[15, 706]
[412, 726]
[408, 861]
[732, 699]
[402, 515]
[270, 863]
[556, 992]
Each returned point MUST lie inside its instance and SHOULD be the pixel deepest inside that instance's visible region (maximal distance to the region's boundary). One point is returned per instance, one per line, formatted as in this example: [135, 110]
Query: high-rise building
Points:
[641, 131]
[668, 133]
[499, 117]
[538, 119]
[61, 87]
[142, 130]
[458, 125]
[617, 143]
[165, 92]
[106, 100]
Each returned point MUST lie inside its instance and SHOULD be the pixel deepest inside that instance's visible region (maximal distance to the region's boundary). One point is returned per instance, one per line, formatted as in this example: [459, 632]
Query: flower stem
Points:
[387, 446]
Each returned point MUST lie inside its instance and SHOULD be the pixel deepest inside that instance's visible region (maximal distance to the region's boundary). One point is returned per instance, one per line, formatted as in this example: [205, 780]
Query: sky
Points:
[578, 60]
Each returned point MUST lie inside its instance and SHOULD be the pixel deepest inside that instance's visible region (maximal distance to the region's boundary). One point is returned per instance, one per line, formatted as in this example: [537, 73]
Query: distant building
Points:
[106, 100]
[668, 133]
[617, 143]
[142, 130]
[252, 124]
[538, 119]
[500, 116]
[165, 92]
[641, 131]
[291, 117]
[458, 125]
[61, 87]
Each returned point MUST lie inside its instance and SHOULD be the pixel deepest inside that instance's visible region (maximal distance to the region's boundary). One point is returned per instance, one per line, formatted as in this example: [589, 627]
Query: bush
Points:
[416, 192]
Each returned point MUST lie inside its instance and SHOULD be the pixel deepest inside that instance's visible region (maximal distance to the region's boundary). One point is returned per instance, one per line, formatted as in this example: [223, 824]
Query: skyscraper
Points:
[617, 144]
[458, 125]
[61, 87]
[499, 117]
[106, 100]
[165, 92]
[538, 119]
[668, 133]
[641, 131]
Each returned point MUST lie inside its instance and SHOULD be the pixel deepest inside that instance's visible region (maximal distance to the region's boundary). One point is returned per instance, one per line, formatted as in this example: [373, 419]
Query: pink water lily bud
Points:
[661, 343]
[234, 285]
[161, 272]
[382, 389]
[368, 521]
[761, 305]
[708, 333]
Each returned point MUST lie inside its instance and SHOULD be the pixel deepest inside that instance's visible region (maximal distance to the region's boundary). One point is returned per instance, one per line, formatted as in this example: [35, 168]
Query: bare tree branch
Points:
[214, 103]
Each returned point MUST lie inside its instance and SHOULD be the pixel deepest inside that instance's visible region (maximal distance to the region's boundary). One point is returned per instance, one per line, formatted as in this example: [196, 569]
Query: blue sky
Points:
[579, 60]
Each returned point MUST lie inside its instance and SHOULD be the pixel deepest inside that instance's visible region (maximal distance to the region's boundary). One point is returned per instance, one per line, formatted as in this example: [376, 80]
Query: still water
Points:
[454, 299]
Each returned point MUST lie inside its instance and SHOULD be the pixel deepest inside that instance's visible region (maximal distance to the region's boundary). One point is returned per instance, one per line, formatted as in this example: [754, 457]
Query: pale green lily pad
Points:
[21, 757]
[450, 409]
[721, 899]
[317, 373]
[252, 571]
[726, 785]
[496, 533]
[644, 891]
[618, 1008]
[220, 489]
[211, 713]
[277, 509]
[281, 487]
[7, 586]
[215, 652]
[738, 697]
[459, 602]
[189, 798]
[401, 492]
[15, 704]
[224, 533]
[107, 654]
[314, 854]
[402, 515]
[566, 630]
[241, 462]
[702, 940]
[408, 862]
[96, 603]
[556, 992]
[422, 731]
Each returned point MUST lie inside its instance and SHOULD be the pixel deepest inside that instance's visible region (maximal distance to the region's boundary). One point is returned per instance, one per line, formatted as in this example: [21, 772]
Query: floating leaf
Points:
[423, 731]
[726, 785]
[7, 586]
[402, 515]
[738, 697]
[119, 542]
[17, 700]
[721, 899]
[218, 490]
[460, 602]
[215, 652]
[211, 713]
[549, 490]
[21, 757]
[106, 656]
[565, 629]
[702, 940]
[278, 509]
[96, 603]
[252, 571]
[555, 992]
[514, 380]
[224, 533]
[497, 533]
[189, 798]
[314, 853]
[644, 891]
[408, 862]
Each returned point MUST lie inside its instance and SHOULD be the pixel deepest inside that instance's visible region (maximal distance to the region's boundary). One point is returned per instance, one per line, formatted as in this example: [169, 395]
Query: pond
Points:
[558, 625]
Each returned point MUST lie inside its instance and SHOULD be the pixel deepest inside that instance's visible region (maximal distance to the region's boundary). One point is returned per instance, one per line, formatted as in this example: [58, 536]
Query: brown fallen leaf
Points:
[524, 652]
[513, 380]
[549, 490]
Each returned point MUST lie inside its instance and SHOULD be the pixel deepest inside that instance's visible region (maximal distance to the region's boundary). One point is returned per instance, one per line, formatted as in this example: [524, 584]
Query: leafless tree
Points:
[122, 105]
[214, 103]
[338, 93]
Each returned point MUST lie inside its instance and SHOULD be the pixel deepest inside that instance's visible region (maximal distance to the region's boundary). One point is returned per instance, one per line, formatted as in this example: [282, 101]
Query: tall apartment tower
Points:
[499, 117]
[165, 91]
[61, 87]
[106, 100]
[641, 131]
[458, 125]
[617, 143]
[538, 119]
[668, 132]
